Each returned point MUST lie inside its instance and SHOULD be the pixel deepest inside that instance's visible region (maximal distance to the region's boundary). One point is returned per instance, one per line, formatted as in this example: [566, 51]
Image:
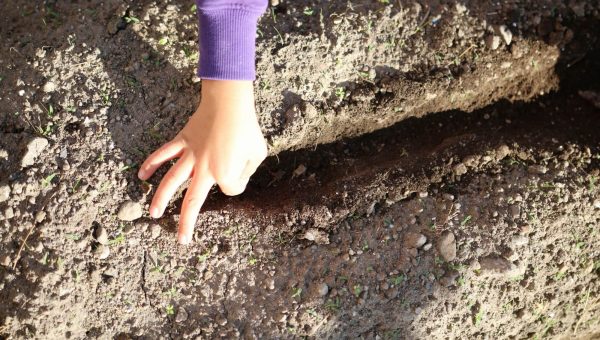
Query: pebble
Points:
[5, 260]
[40, 216]
[130, 211]
[496, 265]
[155, 231]
[102, 252]
[9, 213]
[4, 192]
[597, 204]
[33, 149]
[447, 246]
[101, 235]
[414, 240]
[505, 33]
[537, 169]
[323, 289]
[519, 241]
[459, 169]
[515, 211]
[49, 87]
[317, 236]
[182, 315]
[427, 246]
[492, 42]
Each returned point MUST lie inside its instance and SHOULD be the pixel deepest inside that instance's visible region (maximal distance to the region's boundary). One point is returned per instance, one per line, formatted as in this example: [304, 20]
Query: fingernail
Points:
[184, 239]
[154, 212]
[141, 174]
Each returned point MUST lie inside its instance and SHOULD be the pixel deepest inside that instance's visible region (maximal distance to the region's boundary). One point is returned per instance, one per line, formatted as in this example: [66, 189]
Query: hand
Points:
[221, 144]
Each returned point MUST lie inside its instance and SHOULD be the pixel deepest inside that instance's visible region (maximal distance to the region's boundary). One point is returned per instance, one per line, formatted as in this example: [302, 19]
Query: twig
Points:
[18, 257]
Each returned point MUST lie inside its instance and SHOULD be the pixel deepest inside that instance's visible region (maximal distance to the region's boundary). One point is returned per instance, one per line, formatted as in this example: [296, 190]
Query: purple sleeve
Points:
[227, 38]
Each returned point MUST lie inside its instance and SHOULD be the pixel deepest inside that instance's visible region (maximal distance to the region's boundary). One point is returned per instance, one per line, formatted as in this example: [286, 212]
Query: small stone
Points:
[597, 204]
[4, 192]
[40, 216]
[323, 289]
[49, 87]
[537, 169]
[9, 213]
[427, 246]
[505, 33]
[102, 252]
[317, 236]
[101, 235]
[130, 211]
[33, 149]
[271, 284]
[128, 228]
[447, 246]
[515, 211]
[460, 169]
[492, 42]
[449, 278]
[155, 231]
[519, 241]
[496, 265]
[5, 260]
[502, 151]
[414, 240]
[182, 315]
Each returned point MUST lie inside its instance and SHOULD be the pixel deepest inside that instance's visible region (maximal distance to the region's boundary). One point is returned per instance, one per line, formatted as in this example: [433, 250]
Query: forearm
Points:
[227, 38]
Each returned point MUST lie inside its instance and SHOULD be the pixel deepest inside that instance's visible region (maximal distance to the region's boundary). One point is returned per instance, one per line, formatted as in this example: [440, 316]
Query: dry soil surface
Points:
[435, 173]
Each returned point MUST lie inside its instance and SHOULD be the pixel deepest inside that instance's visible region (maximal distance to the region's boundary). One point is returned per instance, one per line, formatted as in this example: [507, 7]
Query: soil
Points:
[429, 178]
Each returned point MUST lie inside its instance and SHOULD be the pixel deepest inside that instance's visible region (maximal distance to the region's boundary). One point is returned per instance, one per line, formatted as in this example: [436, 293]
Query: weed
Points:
[194, 8]
[560, 275]
[44, 259]
[204, 257]
[163, 41]
[73, 236]
[171, 293]
[333, 305]
[478, 317]
[117, 240]
[170, 310]
[46, 181]
[357, 289]
[296, 292]
[308, 11]
[252, 261]
[465, 221]
[132, 20]
[592, 183]
[340, 92]
[460, 281]
[398, 280]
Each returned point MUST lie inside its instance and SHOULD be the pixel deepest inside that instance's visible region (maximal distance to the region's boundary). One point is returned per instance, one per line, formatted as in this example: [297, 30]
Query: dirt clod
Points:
[317, 236]
[32, 150]
[497, 265]
[414, 240]
[101, 235]
[130, 211]
[447, 246]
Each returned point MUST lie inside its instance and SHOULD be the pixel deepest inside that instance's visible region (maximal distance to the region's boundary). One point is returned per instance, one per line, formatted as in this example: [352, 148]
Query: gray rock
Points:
[102, 252]
[414, 240]
[9, 213]
[323, 289]
[101, 235]
[447, 246]
[155, 231]
[4, 192]
[33, 149]
[182, 315]
[130, 211]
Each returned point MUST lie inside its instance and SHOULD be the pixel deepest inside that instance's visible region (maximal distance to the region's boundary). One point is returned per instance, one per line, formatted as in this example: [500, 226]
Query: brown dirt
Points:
[342, 240]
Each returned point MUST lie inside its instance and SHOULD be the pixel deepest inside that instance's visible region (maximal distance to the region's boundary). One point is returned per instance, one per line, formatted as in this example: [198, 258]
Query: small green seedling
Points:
[132, 20]
[46, 181]
[465, 221]
[170, 310]
[163, 41]
[357, 289]
[308, 11]
[296, 292]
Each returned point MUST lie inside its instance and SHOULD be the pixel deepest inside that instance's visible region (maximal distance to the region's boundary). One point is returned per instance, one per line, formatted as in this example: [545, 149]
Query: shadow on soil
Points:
[390, 157]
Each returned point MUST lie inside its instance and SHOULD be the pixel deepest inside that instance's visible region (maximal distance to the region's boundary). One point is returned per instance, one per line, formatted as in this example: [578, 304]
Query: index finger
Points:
[193, 201]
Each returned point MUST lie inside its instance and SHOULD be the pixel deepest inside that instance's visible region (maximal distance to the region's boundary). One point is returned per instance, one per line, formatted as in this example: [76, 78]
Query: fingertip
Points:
[154, 212]
[184, 238]
[142, 174]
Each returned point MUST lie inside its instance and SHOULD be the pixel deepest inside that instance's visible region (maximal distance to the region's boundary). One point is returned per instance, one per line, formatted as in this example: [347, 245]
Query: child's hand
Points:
[222, 143]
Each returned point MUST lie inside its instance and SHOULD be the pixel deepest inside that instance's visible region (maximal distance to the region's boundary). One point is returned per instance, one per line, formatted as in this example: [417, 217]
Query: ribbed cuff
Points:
[227, 43]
